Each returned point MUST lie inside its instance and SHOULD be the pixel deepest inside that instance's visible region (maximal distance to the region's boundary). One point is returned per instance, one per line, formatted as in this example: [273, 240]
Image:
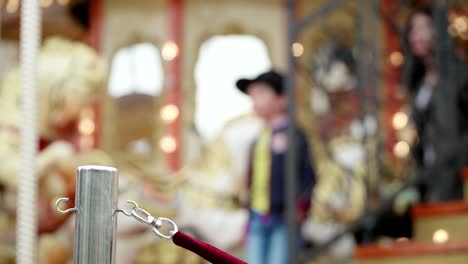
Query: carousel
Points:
[147, 87]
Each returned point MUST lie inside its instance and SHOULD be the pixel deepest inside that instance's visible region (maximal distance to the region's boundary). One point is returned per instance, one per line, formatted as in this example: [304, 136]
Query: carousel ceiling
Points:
[67, 18]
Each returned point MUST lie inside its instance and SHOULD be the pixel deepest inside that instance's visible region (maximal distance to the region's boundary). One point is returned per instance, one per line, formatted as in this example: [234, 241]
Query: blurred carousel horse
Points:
[339, 196]
[70, 76]
[215, 186]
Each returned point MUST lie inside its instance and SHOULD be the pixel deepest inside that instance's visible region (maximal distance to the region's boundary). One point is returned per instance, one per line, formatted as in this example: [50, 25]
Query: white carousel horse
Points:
[70, 75]
[207, 203]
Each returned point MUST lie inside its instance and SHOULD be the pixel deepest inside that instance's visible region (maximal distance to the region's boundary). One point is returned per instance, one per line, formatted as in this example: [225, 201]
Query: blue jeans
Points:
[267, 240]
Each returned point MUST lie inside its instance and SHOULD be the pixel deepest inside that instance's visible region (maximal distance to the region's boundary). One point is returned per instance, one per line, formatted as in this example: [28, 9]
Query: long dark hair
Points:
[414, 69]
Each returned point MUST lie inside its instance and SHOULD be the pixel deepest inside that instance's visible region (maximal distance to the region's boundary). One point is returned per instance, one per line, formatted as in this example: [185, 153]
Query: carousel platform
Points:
[440, 236]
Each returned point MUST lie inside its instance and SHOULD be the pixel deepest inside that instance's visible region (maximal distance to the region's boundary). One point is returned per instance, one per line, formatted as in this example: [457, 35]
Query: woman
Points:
[439, 103]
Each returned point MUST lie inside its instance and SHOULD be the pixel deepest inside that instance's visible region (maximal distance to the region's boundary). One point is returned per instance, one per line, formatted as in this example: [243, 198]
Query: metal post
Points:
[291, 171]
[362, 80]
[96, 215]
[374, 77]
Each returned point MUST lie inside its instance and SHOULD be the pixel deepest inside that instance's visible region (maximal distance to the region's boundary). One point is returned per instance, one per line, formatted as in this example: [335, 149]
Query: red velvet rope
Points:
[204, 250]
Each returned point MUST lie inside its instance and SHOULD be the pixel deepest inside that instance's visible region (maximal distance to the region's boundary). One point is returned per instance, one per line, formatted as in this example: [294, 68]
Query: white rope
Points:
[26, 225]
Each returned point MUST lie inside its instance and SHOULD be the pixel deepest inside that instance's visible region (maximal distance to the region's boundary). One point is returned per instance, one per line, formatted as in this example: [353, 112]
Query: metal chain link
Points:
[146, 218]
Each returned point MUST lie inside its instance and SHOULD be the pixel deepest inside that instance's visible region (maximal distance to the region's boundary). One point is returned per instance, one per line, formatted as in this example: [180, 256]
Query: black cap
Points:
[272, 78]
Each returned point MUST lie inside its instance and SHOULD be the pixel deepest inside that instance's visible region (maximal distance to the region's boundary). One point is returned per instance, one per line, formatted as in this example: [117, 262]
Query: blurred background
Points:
[149, 87]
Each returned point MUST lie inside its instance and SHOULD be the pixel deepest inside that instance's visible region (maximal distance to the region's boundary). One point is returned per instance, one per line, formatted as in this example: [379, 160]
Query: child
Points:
[267, 234]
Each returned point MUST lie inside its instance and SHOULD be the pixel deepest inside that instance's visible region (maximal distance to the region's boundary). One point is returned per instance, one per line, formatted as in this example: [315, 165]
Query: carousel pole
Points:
[26, 228]
[96, 214]
[95, 41]
[174, 96]
[291, 155]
